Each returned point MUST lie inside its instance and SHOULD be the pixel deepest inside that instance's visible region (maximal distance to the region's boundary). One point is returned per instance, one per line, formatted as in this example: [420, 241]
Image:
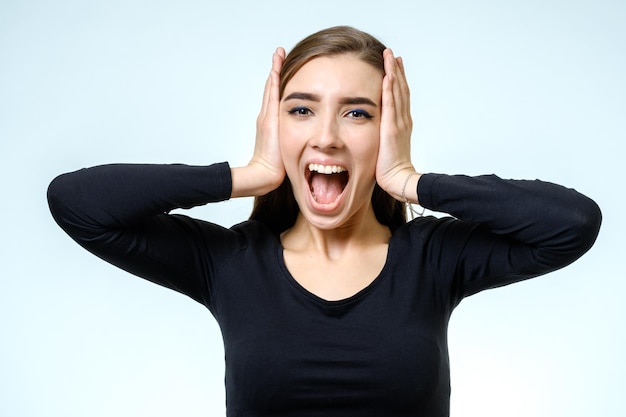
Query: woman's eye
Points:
[300, 111]
[359, 114]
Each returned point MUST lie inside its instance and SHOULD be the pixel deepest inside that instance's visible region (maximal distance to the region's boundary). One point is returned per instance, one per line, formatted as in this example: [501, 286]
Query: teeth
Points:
[326, 169]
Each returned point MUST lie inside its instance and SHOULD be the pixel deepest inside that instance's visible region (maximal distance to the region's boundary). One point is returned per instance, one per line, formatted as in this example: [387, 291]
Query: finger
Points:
[399, 98]
[402, 81]
[388, 129]
[274, 78]
[388, 100]
[398, 94]
[281, 52]
[267, 90]
[392, 72]
[392, 66]
[400, 62]
[388, 61]
[273, 92]
[388, 97]
[387, 78]
[402, 95]
[277, 59]
[266, 95]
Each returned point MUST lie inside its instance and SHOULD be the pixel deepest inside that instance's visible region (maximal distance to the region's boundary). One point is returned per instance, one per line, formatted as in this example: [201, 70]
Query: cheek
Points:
[290, 143]
[364, 143]
[293, 135]
[285, 138]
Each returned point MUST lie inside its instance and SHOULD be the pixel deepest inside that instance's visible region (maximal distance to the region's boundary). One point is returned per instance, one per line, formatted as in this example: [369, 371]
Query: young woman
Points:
[329, 302]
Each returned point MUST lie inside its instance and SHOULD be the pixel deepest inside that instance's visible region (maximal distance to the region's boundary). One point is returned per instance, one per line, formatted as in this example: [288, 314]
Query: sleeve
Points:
[120, 213]
[504, 231]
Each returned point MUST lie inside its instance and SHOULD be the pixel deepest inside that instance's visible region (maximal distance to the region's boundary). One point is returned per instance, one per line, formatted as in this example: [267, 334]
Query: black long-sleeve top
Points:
[381, 352]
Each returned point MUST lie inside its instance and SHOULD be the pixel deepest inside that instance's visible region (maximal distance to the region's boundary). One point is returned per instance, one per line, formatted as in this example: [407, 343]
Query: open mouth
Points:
[326, 182]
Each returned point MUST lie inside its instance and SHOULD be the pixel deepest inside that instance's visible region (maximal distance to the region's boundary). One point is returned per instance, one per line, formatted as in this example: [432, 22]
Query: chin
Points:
[324, 222]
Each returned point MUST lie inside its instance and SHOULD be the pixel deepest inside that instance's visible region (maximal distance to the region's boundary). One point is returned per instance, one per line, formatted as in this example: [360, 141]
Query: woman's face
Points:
[329, 135]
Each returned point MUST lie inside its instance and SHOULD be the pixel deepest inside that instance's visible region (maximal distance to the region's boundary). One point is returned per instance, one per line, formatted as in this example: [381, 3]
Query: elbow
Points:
[577, 233]
[56, 198]
[63, 202]
[591, 221]
[586, 222]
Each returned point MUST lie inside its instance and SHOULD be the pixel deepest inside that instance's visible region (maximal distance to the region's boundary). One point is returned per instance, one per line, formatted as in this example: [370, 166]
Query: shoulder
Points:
[425, 227]
[254, 233]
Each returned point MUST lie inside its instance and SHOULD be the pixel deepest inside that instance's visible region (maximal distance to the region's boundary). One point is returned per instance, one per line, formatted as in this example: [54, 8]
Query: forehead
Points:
[344, 75]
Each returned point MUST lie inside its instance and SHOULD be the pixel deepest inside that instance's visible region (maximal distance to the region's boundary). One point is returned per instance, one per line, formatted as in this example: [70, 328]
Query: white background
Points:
[524, 89]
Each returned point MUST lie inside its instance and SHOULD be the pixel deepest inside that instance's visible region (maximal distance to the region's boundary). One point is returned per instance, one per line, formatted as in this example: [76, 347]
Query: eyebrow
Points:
[315, 97]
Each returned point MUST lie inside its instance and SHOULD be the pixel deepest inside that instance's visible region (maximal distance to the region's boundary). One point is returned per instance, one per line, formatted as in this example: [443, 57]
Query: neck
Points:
[363, 229]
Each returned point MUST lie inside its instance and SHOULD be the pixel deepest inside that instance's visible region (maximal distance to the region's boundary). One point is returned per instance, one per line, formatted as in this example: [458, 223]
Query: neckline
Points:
[280, 255]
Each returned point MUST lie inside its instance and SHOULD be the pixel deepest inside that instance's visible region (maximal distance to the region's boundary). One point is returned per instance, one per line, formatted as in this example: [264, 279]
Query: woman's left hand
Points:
[394, 166]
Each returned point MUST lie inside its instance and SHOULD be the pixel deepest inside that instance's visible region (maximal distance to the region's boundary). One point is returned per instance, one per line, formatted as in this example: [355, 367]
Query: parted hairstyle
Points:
[278, 209]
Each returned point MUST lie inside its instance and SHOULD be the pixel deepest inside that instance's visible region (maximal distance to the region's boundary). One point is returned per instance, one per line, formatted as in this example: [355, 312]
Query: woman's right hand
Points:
[265, 171]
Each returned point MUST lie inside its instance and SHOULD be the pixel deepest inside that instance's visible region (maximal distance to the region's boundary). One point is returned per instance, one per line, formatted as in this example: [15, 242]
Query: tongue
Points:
[326, 188]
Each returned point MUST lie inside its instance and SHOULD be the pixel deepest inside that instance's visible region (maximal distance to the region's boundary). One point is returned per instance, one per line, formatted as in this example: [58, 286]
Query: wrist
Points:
[402, 185]
[254, 180]
[407, 184]
[409, 188]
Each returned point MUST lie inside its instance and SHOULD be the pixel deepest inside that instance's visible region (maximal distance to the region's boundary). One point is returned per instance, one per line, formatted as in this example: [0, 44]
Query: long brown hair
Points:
[278, 209]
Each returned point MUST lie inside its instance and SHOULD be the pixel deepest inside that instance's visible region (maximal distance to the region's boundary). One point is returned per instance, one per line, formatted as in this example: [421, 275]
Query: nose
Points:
[327, 135]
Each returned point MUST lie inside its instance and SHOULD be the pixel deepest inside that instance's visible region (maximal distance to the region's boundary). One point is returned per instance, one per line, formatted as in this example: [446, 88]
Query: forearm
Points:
[253, 180]
[117, 196]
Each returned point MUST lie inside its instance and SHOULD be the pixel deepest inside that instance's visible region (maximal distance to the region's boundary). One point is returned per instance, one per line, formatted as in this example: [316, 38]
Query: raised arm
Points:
[507, 230]
[119, 213]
